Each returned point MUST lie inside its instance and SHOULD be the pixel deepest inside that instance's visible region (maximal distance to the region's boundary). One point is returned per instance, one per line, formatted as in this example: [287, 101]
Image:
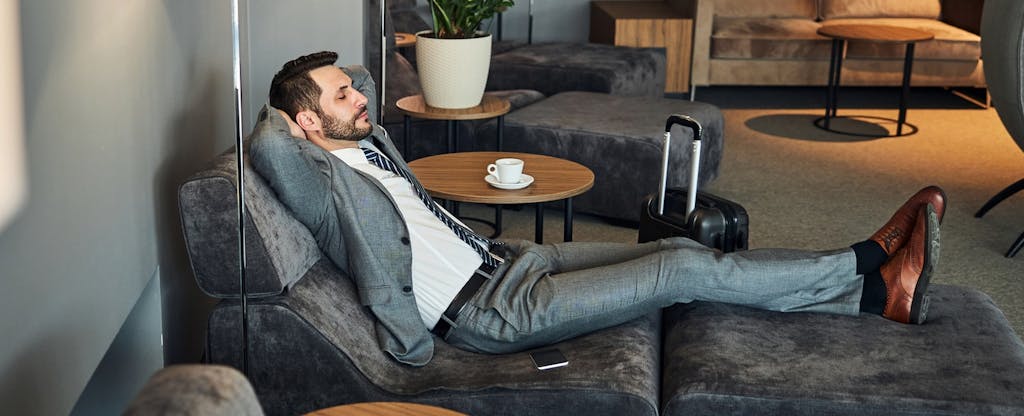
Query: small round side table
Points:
[460, 177]
[873, 33]
[490, 106]
[404, 40]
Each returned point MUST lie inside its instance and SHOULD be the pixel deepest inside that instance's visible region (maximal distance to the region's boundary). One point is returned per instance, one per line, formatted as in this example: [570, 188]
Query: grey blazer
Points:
[355, 222]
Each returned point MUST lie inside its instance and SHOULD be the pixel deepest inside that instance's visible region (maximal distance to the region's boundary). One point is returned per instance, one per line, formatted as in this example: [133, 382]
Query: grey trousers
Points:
[548, 293]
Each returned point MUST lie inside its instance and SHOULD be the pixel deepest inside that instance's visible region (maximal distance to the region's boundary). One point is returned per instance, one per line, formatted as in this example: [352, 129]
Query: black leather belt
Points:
[481, 275]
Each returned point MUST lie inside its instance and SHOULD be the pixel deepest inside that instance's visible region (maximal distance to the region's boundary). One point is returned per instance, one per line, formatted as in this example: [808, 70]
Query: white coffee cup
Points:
[506, 170]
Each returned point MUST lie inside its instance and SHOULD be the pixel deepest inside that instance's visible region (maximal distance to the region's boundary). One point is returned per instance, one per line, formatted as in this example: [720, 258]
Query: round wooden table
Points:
[385, 409]
[415, 106]
[460, 177]
[404, 40]
[872, 33]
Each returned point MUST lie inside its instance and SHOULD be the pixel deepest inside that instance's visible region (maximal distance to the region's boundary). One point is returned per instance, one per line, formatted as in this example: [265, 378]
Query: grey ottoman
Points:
[619, 138]
[556, 67]
[730, 360]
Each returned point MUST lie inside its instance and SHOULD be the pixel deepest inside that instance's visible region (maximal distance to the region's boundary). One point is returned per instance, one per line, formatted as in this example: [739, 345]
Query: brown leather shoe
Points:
[894, 233]
[907, 273]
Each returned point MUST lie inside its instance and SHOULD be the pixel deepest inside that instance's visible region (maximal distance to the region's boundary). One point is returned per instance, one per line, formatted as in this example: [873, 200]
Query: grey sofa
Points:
[312, 344]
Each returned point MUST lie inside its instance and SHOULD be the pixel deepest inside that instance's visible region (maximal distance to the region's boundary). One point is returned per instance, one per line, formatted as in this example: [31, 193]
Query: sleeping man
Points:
[422, 272]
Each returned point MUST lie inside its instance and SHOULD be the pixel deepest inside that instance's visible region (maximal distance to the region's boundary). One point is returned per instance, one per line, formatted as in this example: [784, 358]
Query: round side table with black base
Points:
[490, 106]
[873, 33]
[460, 177]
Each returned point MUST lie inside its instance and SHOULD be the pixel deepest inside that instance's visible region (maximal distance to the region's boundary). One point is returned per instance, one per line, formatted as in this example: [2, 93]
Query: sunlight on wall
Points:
[12, 141]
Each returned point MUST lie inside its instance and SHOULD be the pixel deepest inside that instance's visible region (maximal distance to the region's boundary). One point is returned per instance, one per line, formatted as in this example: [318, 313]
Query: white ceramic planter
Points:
[453, 72]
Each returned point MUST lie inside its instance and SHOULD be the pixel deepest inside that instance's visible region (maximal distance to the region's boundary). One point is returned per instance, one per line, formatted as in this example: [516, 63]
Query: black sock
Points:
[870, 256]
[872, 300]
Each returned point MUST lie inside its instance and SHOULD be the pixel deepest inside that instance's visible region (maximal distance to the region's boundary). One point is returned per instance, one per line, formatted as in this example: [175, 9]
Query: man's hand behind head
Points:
[293, 128]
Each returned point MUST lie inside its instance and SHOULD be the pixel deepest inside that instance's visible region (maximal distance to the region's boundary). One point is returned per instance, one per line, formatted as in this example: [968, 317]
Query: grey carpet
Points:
[806, 188]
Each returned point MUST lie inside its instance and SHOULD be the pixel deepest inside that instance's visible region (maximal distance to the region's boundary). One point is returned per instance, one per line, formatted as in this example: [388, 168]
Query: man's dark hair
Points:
[293, 90]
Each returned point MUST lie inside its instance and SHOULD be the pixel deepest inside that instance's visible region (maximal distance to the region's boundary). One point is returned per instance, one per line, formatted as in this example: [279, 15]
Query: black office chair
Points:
[1002, 46]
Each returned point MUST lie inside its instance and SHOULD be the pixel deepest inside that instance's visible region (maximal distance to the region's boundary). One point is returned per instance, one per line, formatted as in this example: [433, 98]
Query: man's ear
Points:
[293, 128]
[307, 120]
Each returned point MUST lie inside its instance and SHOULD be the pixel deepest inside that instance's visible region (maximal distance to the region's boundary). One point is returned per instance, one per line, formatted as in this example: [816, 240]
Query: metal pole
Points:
[830, 90]
[529, 27]
[237, 69]
[908, 63]
[498, 37]
[383, 65]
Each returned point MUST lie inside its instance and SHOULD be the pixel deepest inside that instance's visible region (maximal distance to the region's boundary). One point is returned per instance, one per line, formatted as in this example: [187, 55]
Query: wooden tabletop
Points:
[385, 409]
[875, 33]
[403, 39]
[460, 177]
[490, 106]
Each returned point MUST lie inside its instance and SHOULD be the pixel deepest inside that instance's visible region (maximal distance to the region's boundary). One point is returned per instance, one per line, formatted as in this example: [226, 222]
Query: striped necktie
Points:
[467, 235]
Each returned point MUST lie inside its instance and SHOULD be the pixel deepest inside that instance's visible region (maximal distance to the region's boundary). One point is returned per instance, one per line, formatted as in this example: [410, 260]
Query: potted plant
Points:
[455, 57]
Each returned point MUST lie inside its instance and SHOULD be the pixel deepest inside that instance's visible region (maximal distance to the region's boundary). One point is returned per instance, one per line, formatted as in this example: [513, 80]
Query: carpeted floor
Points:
[810, 189]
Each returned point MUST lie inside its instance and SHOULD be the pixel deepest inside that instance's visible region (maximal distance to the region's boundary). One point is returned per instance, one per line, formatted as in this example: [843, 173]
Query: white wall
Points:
[288, 29]
[123, 100]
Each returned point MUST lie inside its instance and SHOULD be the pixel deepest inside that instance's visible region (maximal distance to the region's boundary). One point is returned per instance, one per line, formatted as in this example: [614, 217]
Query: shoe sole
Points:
[919, 307]
[945, 202]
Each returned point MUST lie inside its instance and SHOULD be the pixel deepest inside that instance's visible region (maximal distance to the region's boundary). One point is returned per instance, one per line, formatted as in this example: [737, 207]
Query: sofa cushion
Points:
[316, 347]
[950, 43]
[779, 8]
[729, 360]
[555, 67]
[764, 38]
[279, 249]
[836, 9]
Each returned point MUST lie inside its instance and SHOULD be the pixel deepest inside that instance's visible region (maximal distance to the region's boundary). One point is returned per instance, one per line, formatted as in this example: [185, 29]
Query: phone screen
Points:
[548, 359]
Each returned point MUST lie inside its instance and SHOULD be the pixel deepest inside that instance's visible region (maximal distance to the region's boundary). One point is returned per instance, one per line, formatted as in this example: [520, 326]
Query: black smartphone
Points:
[548, 359]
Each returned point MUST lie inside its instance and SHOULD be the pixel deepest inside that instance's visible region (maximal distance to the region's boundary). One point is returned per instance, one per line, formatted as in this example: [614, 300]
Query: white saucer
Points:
[524, 181]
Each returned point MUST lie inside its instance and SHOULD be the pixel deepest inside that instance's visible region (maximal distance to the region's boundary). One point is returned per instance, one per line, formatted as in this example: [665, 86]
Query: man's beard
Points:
[335, 129]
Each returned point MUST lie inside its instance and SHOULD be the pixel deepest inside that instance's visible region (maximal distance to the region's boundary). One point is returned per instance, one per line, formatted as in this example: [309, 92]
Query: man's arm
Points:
[294, 167]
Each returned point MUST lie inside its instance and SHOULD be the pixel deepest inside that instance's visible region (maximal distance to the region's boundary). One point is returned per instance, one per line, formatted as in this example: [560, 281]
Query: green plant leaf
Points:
[457, 19]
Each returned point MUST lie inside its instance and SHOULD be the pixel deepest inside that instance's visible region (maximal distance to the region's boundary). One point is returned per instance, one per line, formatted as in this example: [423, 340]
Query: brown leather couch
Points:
[755, 42]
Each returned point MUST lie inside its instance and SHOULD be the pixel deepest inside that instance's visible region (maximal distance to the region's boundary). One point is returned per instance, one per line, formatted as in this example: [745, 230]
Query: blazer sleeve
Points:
[296, 169]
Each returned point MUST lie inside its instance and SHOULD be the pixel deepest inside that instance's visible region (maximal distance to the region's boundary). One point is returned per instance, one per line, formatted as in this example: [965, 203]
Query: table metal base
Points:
[832, 93]
[822, 123]
[538, 221]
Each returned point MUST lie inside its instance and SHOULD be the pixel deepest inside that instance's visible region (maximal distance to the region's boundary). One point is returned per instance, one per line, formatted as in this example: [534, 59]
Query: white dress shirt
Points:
[441, 262]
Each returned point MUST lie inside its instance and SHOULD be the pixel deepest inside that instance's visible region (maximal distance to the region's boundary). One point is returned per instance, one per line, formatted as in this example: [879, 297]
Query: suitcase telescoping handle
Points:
[698, 132]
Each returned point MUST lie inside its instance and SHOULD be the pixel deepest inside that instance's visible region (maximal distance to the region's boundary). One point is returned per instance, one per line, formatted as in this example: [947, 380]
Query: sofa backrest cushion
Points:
[835, 9]
[278, 248]
[756, 8]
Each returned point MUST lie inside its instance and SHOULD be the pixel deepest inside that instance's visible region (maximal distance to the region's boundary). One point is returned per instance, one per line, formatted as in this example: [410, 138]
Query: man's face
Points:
[343, 108]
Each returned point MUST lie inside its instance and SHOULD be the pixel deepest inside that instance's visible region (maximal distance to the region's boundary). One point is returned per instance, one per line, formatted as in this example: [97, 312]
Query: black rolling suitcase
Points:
[713, 221]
